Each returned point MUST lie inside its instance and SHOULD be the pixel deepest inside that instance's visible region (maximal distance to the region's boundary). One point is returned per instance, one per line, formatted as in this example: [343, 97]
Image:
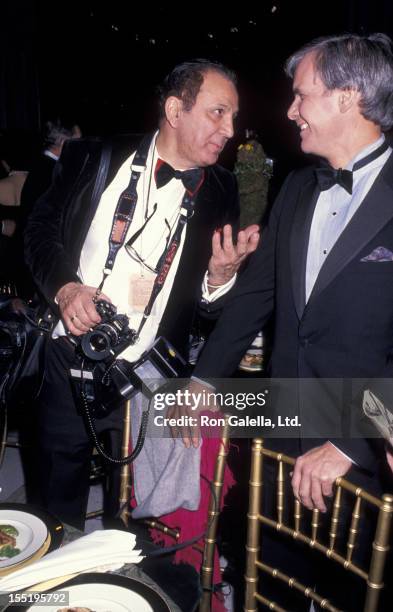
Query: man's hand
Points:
[196, 400]
[315, 473]
[77, 307]
[226, 256]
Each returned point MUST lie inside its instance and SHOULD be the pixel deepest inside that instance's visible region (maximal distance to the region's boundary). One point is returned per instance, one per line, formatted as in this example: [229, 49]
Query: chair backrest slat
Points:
[314, 525]
[334, 523]
[297, 514]
[280, 491]
[354, 528]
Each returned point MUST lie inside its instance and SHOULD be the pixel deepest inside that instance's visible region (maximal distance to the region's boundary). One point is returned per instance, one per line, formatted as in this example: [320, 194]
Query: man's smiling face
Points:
[316, 111]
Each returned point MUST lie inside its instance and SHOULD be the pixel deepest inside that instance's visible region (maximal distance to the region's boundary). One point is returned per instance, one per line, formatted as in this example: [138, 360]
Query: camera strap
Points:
[125, 208]
[122, 220]
[88, 415]
[167, 258]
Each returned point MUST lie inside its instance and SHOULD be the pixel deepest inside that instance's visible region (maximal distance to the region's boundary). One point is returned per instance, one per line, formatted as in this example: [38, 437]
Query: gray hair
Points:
[350, 61]
[56, 132]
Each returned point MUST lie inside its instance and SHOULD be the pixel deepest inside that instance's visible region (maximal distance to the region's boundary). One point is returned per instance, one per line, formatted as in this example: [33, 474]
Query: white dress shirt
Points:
[335, 208]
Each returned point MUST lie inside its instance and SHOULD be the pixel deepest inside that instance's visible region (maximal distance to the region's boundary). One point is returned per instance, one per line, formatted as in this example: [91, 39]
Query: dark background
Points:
[98, 63]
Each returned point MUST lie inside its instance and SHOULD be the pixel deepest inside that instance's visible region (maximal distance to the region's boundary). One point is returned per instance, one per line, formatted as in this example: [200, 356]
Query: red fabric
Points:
[158, 165]
[191, 523]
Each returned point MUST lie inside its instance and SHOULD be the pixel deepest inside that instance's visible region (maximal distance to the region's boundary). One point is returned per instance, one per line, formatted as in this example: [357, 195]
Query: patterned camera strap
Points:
[122, 220]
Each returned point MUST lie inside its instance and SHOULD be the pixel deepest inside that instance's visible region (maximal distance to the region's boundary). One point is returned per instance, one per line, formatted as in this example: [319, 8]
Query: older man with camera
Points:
[141, 238]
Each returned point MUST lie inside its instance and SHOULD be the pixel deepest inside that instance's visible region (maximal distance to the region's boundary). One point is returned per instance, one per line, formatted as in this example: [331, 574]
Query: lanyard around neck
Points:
[122, 220]
[167, 258]
[125, 209]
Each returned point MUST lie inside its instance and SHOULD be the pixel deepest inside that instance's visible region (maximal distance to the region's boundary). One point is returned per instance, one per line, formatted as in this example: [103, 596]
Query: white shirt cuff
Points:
[217, 293]
[345, 455]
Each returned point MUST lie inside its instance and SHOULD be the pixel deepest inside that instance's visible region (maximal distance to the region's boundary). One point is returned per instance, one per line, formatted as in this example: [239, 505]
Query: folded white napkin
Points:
[108, 549]
[380, 415]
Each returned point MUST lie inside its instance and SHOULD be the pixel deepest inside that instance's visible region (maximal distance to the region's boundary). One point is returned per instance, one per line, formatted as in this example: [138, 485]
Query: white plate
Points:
[32, 534]
[100, 598]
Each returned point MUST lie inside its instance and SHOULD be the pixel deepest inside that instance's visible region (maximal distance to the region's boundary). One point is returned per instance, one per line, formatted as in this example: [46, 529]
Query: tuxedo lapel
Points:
[209, 203]
[299, 242]
[375, 211]
[81, 213]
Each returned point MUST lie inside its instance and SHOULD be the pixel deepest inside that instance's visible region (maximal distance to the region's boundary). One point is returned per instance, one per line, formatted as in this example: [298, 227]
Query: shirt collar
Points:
[369, 149]
[51, 155]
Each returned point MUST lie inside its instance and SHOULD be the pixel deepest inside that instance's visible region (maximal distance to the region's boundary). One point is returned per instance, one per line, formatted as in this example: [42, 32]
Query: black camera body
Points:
[110, 337]
[101, 380]
[96, 375]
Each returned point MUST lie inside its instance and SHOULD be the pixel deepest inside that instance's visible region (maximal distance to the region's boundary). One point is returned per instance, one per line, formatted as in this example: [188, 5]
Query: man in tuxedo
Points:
[164, 202]
[56, 133]
[37, 180]
[324, 264]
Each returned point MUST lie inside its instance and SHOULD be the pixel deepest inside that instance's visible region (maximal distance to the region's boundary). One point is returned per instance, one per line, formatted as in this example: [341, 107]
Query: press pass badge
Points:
[140, 289]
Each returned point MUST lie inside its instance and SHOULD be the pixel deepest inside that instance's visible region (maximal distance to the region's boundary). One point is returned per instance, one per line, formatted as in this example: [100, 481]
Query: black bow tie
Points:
[327, 176]
[191, 179]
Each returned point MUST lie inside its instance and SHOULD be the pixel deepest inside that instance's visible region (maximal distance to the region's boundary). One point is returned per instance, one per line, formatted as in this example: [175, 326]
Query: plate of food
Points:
[99, 593]
[24, 531]
[21, 535]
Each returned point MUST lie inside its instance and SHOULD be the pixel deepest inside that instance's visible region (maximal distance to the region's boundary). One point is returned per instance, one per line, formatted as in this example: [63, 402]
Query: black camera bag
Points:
[23, 335]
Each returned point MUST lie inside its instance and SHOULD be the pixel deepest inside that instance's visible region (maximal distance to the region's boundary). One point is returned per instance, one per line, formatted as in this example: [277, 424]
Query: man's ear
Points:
[173, 108]
[347, 99]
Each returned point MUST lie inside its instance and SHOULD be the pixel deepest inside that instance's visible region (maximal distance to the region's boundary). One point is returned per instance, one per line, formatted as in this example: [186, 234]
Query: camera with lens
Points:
[101, 380]
[96, 375]
[110, 337]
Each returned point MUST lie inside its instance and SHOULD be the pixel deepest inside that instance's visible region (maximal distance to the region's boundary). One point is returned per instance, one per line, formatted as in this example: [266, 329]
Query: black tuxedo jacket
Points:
[37, 182]
[345, 330]
[60, 220]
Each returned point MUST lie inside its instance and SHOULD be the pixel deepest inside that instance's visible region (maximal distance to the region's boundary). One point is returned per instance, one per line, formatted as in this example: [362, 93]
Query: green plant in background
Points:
[253, 171]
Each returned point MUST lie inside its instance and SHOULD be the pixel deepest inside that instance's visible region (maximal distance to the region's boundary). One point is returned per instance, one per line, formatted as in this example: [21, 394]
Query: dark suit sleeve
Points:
[38, 181]
[44, 244]
[231, 215]
[365, 453]
[232, 206]
[9, 212]
[248, 307]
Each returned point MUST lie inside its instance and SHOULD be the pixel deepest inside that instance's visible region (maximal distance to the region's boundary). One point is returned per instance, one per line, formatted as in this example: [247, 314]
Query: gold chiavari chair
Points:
[207, 550]
[213, 516]
[380, 546]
